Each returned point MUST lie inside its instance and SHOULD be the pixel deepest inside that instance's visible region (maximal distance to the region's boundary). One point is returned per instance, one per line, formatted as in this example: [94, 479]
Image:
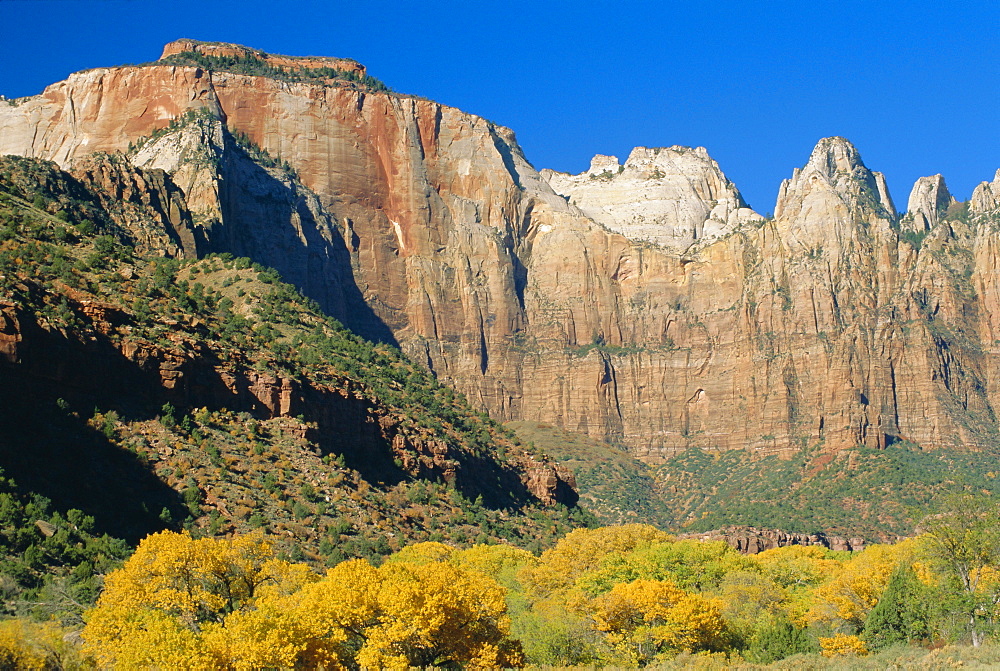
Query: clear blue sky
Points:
[913, 84]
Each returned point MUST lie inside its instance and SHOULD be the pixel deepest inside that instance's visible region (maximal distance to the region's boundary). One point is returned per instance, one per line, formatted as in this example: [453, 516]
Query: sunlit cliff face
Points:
[645, 305]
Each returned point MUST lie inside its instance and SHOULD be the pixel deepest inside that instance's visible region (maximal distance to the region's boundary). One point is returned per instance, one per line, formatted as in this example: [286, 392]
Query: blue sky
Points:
[914, 85]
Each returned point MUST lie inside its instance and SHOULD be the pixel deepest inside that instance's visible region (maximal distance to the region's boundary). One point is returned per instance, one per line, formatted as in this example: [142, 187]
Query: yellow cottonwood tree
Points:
[855, 590]
[842, 644]
[692, 565]
[229, 604]
[493, 560]
[423, 553]
[582, 550]
[401, 615]
[798, 566]
[168, 602]
[36, 645]
[644, 618]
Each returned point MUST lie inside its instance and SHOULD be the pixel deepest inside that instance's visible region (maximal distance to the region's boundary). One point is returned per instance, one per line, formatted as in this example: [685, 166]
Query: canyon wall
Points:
[696, 324]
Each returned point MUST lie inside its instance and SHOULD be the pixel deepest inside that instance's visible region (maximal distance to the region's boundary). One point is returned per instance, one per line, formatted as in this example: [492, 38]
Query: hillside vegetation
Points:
[873, 494]
[616, 487]
[624, 596]
[148, 393]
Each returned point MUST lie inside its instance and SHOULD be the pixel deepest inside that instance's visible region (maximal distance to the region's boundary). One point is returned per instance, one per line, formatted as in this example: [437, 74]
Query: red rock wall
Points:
[819, 326]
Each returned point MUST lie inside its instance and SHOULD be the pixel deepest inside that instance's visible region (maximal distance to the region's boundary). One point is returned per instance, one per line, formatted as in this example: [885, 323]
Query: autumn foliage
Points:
[616, 596]
[180, 602]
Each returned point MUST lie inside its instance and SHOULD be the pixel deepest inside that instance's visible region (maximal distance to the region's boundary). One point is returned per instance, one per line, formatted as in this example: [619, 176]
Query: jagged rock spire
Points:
[835, 167]
[986, 197]
[929, 199]
[823, 204]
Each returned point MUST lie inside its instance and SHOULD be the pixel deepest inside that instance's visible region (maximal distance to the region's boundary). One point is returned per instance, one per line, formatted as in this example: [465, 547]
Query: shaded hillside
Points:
[151, 392]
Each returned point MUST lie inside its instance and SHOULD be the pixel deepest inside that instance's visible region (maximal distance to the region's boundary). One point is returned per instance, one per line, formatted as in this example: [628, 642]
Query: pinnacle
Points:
[835, 154]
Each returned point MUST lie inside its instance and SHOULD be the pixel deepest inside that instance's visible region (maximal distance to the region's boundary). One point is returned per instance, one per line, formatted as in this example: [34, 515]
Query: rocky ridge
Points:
[421, 225]
[238, 52]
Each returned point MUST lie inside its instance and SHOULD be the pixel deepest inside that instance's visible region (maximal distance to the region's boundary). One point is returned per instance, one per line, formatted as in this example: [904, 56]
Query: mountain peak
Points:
[601, 163]
[670, 196]
[834, 155]
[928, 200]
[835, 172]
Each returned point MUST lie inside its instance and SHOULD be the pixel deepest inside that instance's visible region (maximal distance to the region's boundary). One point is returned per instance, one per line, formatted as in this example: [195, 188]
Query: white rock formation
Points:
[820, 205]
[670, 196]
[986, 196]
[929, 199]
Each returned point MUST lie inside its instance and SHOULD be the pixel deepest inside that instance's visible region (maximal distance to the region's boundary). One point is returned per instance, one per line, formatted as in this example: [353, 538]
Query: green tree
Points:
[964, 542]
[901, 615]
[778, 640]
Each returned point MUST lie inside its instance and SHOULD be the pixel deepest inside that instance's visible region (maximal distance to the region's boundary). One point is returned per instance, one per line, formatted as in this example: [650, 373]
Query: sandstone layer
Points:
[223, 50]
[421, 225]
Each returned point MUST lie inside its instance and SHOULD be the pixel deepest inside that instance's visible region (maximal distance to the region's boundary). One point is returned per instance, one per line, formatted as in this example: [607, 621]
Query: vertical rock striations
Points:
[418, 224]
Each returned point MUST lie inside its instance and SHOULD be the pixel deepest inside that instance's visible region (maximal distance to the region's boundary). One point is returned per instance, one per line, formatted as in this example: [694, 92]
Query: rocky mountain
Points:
[640, 304]
[151, 391]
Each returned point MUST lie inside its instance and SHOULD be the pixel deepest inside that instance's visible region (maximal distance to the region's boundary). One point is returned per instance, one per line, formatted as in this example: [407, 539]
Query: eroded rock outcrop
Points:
[147, 205]
[10, 332]
[751, 540]
[929, 199]
[671, 196]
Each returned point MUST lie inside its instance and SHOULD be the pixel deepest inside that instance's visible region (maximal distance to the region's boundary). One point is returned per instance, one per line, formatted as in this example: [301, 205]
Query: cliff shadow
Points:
[353, 428]
[280, 223]
[48, 448]
[349, 427]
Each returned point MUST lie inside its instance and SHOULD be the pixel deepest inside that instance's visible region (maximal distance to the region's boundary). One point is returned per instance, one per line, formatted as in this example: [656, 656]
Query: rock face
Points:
[670, 196]
[421, 225]
[147, 204]
[929, 199]
[986, 197]
[751, 540]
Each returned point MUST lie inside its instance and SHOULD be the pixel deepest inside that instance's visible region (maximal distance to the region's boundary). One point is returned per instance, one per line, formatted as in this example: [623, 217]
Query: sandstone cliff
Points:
[421, 225]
